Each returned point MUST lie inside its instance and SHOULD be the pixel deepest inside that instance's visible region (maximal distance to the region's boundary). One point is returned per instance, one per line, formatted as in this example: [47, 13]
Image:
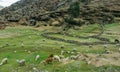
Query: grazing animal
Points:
[117, 41]
[21, 62]
[74, 49]
[119, 50]
[4, 61]
[49, 59]
[68, 52]
[35, 70]
[62, 52]
[37, 57]
[72, 53]
[29, 37]
[29, 52]
[107, 51]
[15, 51]
[22, 44]
[56, 57]
[74, 57]
[65, 60]
[105, 46]
[62, 46]
[78, 52]
[61, 56]
[25, 50]
[90, 46]
[118, 45]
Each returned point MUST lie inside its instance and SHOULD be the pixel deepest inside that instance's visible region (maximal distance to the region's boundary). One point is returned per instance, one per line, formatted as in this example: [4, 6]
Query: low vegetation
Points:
[21, 42]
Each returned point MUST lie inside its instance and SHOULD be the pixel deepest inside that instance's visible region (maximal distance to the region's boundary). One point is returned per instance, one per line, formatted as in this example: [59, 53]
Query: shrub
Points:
[75, 9]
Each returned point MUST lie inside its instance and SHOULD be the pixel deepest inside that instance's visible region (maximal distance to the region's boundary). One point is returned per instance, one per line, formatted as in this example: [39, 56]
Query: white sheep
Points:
[37, 57]
[62, 52]
[117, 45]
[74, 57]
[72, 53]
[90, 46]
[78, 52]
[65, 60]
[119, 50]
[56, 57]
[29, 37]
[35, 70]
[4, 61]
[62, 46]
[15, 51]
[29, 52]
[61, 56]
[74, 49]
[21, 62]
[68, 52]
[25, 50]
[105, 46]
[107, 51]
[22, 44]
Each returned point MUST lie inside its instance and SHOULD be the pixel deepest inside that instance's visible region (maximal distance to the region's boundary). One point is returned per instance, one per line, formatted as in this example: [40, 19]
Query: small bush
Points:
[75, 9]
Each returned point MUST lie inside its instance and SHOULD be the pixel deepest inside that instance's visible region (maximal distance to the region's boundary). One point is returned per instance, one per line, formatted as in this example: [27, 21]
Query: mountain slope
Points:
[90, 9]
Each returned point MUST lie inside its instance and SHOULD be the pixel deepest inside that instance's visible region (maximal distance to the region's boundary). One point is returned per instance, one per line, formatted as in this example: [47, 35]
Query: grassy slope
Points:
[12, 37]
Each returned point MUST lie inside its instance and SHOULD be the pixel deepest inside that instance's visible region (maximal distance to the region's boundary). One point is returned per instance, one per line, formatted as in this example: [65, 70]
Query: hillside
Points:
[92, 11]
[25, 42]
[60, 36]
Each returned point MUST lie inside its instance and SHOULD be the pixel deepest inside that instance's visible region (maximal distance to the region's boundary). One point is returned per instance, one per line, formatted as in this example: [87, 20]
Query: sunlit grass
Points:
[12, 38]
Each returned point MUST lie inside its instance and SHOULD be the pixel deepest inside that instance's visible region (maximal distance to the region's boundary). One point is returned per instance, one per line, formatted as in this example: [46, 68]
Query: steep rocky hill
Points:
[29, 8]
[92, 11]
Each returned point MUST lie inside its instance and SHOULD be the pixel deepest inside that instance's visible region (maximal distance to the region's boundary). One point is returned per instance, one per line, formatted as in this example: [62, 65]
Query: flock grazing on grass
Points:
[72, 55]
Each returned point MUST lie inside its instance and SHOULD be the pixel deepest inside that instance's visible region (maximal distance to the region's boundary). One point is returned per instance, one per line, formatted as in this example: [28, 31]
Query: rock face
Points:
[92, 11]
[29, 8]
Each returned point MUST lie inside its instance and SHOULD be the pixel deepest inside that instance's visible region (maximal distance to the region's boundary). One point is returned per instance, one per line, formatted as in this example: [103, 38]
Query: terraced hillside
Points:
[21, 42]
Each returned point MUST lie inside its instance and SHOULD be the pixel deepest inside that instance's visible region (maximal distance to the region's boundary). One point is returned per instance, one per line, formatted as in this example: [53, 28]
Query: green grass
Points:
[11, 40]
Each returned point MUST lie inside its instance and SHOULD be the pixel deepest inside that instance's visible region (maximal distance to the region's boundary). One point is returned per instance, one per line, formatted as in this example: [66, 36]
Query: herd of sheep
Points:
[73, 55]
